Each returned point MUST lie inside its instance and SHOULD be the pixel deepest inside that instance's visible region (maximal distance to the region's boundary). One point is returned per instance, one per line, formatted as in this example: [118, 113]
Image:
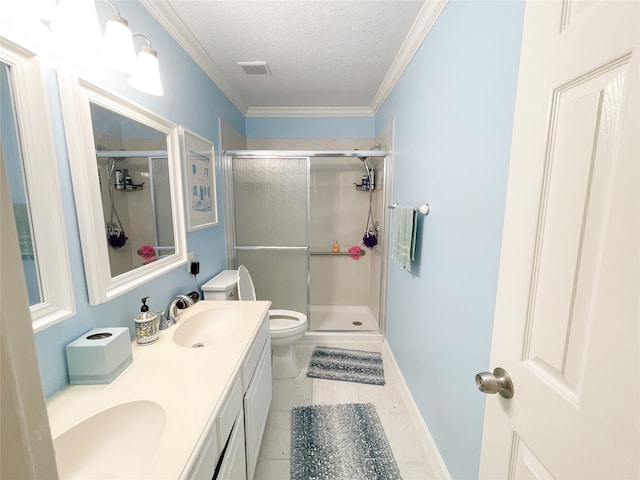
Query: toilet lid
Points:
[285, 319]
[246, 289]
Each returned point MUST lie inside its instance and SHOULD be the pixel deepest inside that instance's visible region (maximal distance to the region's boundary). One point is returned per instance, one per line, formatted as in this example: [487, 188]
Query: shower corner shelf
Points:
[130, 188]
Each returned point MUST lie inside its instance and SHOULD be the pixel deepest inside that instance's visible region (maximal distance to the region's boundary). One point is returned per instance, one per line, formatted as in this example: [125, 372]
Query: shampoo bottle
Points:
[146, 325]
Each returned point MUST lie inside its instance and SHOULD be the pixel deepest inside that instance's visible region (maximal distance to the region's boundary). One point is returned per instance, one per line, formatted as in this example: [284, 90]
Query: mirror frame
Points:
[76, 95]
[42, 181]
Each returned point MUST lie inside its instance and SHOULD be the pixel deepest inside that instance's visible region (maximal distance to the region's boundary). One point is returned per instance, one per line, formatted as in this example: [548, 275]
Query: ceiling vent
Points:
[255, 68]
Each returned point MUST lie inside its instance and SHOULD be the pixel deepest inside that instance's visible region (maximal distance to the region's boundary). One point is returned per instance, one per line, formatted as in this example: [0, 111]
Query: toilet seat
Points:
[284, 323]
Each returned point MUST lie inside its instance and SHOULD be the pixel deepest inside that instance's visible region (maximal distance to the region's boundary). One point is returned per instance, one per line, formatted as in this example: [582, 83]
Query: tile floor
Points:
[275, 453]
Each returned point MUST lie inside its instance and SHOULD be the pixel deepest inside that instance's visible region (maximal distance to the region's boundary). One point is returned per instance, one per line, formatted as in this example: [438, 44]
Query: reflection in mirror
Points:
[12, 156]
[126, 180]
[28, 154]
[135, 189]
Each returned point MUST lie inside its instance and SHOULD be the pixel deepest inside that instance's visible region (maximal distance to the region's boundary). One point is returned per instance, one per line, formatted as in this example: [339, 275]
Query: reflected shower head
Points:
[366, 165]
[367, 169]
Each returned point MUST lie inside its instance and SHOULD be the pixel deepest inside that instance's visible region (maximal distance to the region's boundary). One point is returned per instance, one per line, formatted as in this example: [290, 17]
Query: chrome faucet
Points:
[172, 316]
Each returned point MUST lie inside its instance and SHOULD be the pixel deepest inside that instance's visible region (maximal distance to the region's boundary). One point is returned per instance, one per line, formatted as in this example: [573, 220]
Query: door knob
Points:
[497, 382]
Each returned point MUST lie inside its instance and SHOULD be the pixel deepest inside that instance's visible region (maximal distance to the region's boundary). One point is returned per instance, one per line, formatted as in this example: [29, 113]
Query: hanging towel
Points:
[23, 225]
[404, 236]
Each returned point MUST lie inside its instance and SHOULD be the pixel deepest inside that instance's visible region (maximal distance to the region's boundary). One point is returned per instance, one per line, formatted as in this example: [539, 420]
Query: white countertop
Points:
[189, 383]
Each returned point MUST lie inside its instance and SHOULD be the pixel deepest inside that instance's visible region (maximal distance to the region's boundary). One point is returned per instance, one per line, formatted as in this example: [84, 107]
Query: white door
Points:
[568, 307]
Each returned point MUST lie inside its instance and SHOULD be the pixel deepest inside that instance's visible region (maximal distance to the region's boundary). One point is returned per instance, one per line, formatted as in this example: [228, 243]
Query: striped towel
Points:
[404, 236]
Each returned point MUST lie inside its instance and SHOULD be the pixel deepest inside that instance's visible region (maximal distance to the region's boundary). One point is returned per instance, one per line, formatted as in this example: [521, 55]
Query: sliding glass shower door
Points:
[270, 216]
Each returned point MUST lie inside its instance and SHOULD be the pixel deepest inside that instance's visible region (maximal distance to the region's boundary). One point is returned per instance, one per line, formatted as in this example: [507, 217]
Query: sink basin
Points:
[207, 327]
[118, 442]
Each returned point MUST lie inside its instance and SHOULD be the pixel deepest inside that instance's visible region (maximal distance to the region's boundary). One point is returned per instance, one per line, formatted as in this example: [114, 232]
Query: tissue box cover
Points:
[99, 356]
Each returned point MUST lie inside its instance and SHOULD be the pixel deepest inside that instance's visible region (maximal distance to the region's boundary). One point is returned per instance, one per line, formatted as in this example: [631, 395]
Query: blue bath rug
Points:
[340, 442]
[346, 365]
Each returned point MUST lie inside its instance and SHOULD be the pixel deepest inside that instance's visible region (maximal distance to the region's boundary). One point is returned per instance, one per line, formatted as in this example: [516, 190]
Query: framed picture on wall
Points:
[199, 181]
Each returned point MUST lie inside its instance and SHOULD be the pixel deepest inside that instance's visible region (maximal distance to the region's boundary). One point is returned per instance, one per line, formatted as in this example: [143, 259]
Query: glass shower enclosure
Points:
[283, 211]
[270, 227]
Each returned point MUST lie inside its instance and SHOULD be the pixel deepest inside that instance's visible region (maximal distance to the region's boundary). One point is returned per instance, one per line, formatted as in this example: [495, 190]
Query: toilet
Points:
[286, 327]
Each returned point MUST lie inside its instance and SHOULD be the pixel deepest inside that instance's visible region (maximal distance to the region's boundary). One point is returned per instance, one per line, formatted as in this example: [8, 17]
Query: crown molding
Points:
[425, 20]
[427, 17]
[169, 19]
[309, 112]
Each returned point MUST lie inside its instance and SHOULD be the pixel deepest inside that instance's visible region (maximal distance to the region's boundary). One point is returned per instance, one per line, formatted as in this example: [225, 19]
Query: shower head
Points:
[114, 160]
[110, 166]
[367, 169]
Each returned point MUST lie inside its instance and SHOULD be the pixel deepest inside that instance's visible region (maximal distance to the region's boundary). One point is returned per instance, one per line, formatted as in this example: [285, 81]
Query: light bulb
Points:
[146, 73]
[117, 46]
[76, 23]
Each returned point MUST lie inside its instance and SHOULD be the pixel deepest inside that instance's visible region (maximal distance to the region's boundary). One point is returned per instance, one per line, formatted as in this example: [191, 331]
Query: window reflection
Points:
[12, 155]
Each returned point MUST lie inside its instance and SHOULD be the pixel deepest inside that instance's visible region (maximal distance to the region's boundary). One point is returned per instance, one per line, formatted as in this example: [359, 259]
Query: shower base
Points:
[341, 319]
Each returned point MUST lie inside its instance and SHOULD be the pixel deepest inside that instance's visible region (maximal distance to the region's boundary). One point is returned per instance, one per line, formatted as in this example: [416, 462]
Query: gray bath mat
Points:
[340, 442]
[348, 365]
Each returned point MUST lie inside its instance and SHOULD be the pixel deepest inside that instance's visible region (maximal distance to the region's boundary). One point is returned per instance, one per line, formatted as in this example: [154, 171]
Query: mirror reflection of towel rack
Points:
[423, 209]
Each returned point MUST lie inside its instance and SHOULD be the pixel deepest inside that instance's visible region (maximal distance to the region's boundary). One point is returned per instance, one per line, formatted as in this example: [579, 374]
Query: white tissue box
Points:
[99, 356]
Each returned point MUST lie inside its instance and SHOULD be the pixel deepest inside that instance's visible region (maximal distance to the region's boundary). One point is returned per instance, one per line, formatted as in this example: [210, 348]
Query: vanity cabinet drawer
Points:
[227, 416]
[251, 362]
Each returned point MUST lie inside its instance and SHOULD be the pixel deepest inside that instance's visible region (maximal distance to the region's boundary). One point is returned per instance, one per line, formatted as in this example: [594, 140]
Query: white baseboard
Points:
[437, 463]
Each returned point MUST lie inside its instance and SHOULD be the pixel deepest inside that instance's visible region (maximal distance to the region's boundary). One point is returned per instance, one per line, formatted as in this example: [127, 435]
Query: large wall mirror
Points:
[28, 153]
[135, 186]
[126, 178]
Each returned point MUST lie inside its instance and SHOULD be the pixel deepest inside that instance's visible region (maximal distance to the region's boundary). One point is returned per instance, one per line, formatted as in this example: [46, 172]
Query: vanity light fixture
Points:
[146, 72]
[117, 45]
[75, 22]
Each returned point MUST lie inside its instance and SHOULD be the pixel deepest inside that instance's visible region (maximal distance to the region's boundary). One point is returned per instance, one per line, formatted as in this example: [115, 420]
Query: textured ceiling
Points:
[323, 54]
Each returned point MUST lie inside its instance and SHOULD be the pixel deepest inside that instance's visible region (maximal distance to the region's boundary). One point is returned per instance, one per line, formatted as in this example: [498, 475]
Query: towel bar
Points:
[423, 209]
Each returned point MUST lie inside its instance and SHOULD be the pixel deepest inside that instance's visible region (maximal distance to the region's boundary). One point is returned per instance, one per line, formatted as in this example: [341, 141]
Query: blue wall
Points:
[453, 110]
[191, 99]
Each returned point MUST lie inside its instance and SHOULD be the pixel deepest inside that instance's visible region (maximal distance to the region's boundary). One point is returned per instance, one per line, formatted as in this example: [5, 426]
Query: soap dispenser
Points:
[336, 247]
[146, 325]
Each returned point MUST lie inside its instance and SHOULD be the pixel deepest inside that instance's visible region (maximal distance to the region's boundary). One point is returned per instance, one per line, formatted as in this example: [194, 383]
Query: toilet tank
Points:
[224, 286]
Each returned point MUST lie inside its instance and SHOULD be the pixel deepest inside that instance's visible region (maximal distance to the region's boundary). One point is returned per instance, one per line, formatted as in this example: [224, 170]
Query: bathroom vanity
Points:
[191, 406]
